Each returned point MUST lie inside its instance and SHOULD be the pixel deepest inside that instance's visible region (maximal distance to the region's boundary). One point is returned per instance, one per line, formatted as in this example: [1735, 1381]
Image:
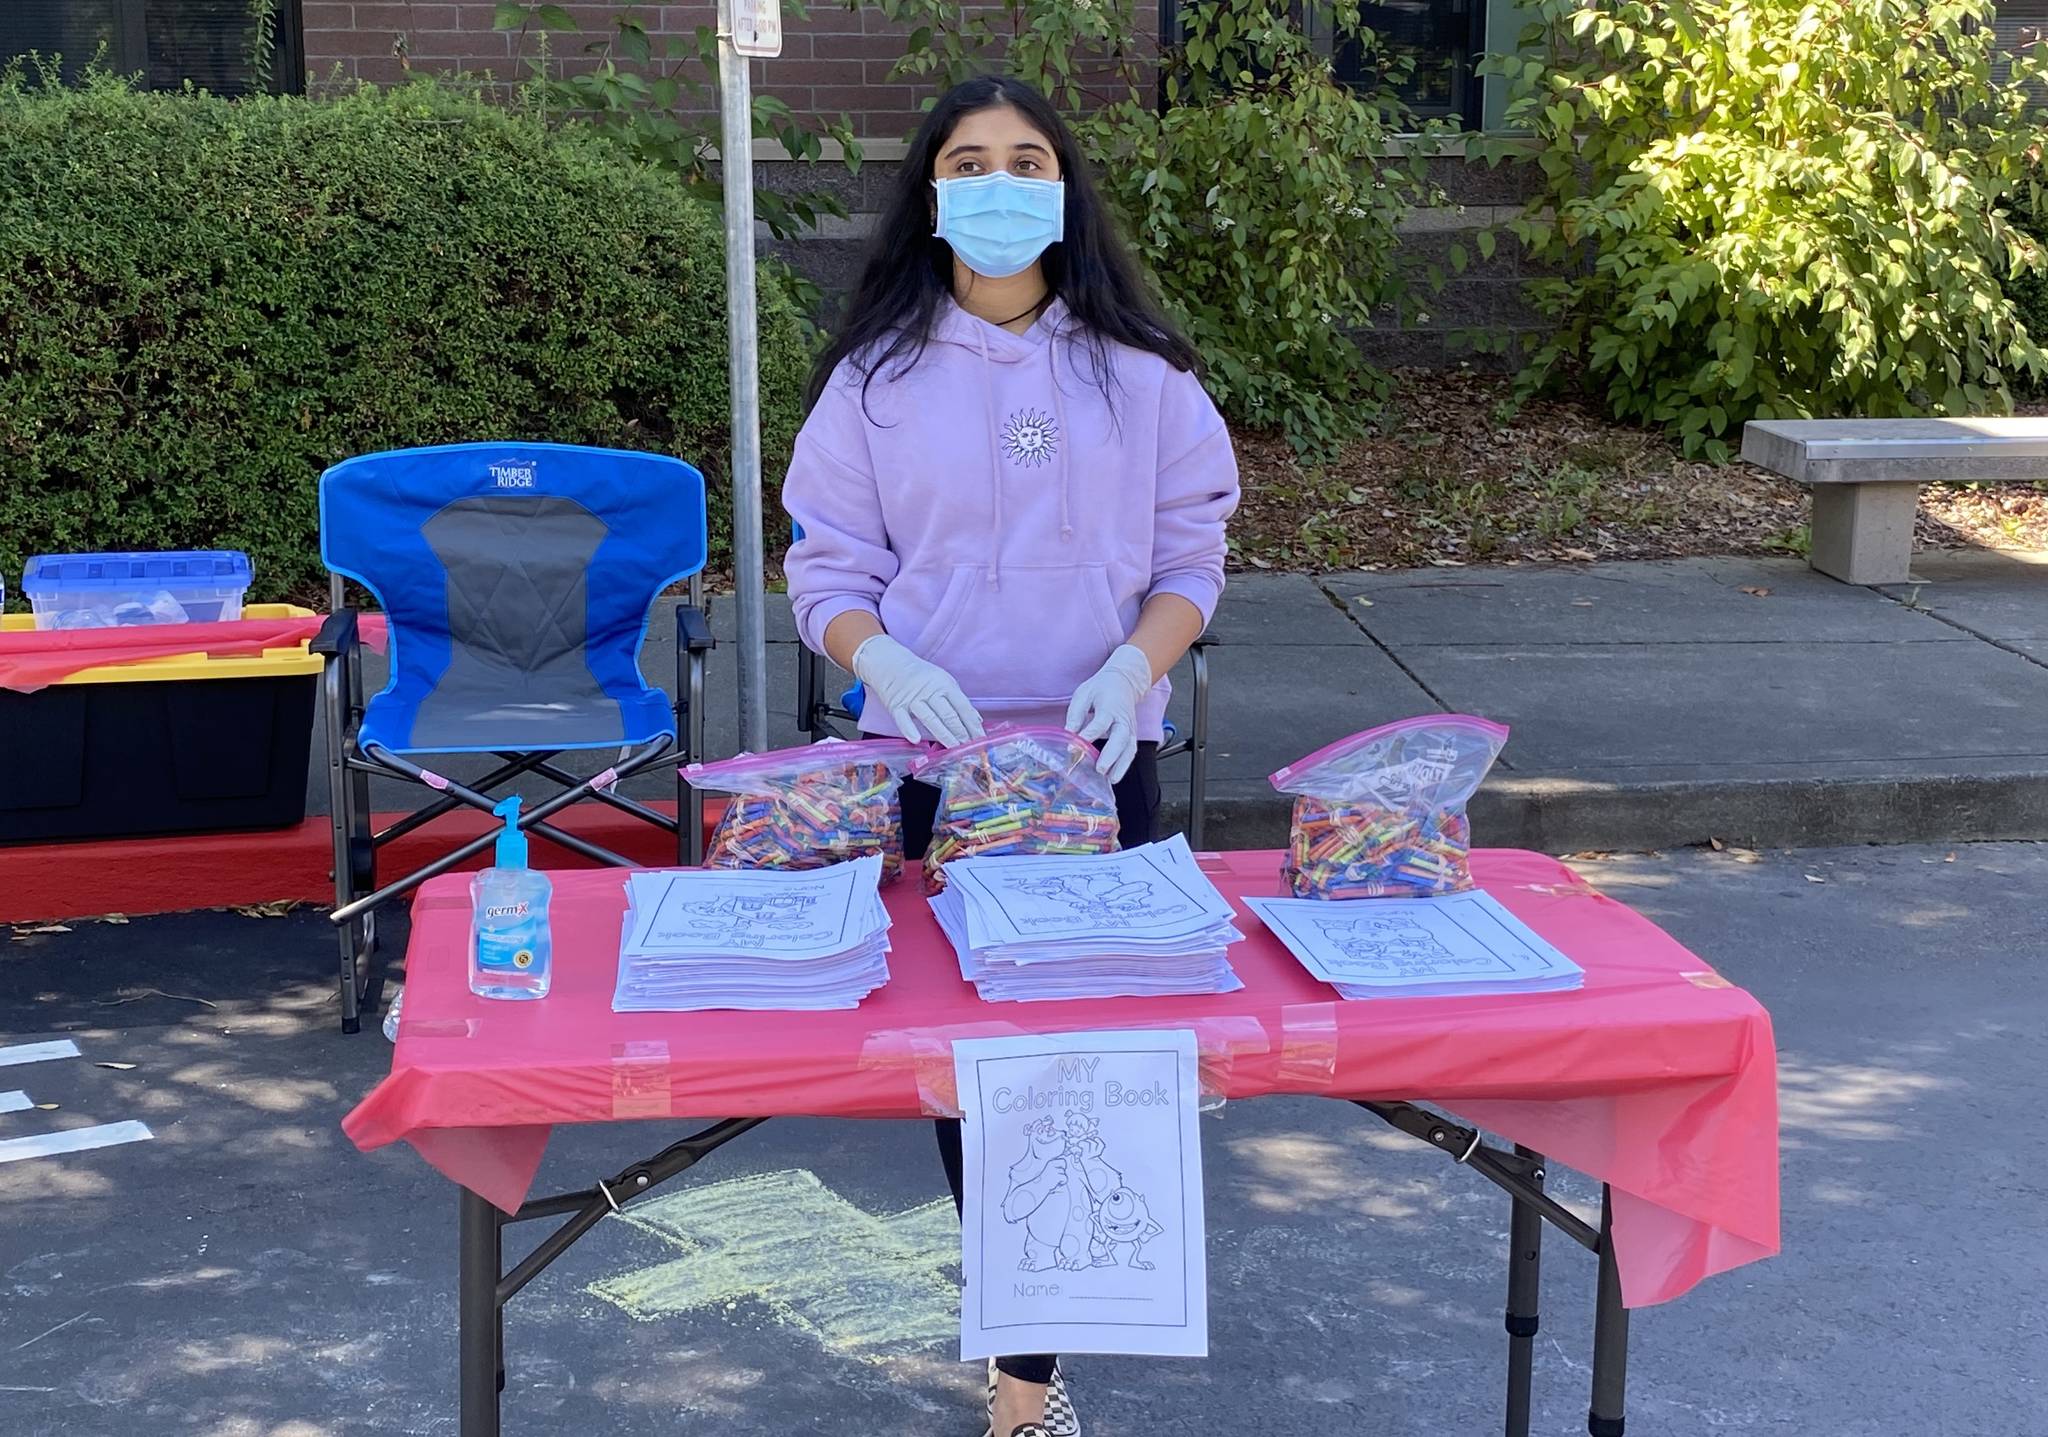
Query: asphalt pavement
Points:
[247, 1273]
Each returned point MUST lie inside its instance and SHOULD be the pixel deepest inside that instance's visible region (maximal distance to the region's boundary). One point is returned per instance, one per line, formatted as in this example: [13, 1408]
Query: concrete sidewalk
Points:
[1653, 704]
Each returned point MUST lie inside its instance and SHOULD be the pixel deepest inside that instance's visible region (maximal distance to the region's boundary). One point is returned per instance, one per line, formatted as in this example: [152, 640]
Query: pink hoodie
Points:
[1001, 519]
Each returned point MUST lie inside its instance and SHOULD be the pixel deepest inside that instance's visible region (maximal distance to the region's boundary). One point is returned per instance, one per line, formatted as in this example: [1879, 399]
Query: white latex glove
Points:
[1105, 709]
[923, 698]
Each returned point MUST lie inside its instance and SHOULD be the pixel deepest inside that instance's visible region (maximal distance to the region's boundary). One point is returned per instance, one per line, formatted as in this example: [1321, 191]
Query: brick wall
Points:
[836, 63]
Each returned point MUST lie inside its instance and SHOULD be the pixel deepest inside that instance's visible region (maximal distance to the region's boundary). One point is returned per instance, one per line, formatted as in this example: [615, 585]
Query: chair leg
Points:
[363, 847]
[533, 821]
[341, 794]
[807, 717]
[689, 756]
[686, 797]
[689, 711]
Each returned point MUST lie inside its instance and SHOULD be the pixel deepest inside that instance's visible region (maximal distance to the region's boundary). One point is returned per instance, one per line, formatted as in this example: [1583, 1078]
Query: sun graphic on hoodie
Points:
[1031, 438]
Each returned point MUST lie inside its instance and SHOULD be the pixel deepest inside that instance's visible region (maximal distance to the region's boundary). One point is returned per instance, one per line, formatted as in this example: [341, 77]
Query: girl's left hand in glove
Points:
[1105, 709]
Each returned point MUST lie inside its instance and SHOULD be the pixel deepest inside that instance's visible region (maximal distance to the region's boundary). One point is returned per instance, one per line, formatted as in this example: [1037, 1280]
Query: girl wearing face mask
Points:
[1011, 488]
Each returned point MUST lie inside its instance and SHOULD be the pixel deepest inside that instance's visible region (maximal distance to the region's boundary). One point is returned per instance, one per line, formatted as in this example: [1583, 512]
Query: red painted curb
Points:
[40, 882]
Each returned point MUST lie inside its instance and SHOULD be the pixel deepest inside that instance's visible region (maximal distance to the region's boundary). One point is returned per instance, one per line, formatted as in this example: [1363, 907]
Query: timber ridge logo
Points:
[513, 476]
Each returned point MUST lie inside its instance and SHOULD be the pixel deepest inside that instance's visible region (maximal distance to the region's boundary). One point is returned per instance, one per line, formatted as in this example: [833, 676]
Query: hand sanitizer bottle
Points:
[511, 946]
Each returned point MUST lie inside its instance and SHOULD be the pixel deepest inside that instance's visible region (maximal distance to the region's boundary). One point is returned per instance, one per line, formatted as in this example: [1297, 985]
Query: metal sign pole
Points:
[736, 150]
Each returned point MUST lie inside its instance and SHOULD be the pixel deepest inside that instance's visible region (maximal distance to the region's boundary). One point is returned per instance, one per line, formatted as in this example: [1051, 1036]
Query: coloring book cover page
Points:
[1152, 892]
[1083, 1229]
[806, 915]
[1397, 941]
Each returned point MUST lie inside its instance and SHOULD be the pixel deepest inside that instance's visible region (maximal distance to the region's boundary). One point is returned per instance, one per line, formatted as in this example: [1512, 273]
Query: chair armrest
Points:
[1207, 640]
[693, 631]
[337, 636]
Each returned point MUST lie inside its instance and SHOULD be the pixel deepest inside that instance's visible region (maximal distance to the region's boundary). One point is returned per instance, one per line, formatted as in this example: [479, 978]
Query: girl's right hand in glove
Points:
[922, 697]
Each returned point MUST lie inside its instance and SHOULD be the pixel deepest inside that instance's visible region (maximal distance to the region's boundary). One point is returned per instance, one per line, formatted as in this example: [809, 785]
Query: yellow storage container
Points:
[183, 744]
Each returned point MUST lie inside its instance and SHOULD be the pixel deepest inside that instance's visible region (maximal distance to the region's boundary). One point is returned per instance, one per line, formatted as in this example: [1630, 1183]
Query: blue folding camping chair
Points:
[820, 717]
[517, 580]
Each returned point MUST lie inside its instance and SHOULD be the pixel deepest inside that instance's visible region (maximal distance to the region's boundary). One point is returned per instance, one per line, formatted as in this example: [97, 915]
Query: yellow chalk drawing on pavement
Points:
[864, 1286]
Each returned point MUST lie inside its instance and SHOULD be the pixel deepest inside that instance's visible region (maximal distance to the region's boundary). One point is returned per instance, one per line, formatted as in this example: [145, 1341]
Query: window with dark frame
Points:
[211, 43]
[1442, 38]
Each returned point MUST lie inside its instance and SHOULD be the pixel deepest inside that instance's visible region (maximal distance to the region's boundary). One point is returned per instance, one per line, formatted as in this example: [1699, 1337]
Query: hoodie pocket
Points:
[1028, 640]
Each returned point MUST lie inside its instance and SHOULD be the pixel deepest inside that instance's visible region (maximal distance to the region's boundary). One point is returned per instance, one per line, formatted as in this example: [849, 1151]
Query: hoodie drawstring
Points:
[995, 467]
[1064, 443]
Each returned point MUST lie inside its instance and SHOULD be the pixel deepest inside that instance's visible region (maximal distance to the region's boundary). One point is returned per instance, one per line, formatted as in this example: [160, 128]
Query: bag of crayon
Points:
[810, 807]
[1381, 814]
[1018, 790]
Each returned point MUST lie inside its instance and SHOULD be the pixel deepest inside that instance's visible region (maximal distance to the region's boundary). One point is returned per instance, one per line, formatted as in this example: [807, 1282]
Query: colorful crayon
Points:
[1035, 794]
[841, 810]
[1363, 850]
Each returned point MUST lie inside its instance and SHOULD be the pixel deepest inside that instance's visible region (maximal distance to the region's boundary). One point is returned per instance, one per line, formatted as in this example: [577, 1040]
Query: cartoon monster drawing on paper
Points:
[1390, 942]
[764, 921]
[1042, 1199]
[1107, 899]
[1075, 1209]
[1122, 1220]
[1084, 1152]
[1117, 1216]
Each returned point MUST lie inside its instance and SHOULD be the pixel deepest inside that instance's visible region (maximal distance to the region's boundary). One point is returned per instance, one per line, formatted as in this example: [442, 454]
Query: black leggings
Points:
[1137, 812]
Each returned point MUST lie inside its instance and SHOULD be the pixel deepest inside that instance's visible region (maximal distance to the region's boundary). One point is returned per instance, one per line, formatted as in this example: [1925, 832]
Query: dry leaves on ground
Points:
[1458, 475]
[277, 909]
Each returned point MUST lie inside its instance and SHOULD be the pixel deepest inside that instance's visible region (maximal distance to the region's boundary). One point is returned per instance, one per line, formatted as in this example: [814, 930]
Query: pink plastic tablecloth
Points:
[36, 658]
[1659, 1077]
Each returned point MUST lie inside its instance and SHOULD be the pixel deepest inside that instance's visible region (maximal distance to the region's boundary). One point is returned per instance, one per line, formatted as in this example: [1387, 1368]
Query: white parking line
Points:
[73, 1140]
[37, 1052]
[14, 1102]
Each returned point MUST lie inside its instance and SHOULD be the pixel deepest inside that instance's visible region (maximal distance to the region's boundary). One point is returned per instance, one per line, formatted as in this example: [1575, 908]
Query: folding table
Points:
[1658, 1078]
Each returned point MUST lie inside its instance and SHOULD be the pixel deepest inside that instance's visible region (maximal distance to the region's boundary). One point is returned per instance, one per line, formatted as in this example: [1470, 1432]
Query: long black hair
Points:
[908, 273]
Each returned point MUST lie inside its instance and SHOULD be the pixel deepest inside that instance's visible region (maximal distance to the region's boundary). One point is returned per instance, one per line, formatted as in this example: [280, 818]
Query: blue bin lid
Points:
[65, 573]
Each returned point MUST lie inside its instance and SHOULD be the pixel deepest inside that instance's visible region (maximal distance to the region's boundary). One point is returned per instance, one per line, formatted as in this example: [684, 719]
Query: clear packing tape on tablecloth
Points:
[1306, 1044]
[1303, 1042]
[1658, 1078]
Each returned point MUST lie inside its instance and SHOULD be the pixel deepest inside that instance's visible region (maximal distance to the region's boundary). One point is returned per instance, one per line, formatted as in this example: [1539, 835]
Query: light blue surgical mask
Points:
[1000, 224]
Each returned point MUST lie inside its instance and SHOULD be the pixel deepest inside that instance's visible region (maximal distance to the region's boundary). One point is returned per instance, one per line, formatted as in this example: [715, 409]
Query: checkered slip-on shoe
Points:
[1030, 1429]
[1061, 1420]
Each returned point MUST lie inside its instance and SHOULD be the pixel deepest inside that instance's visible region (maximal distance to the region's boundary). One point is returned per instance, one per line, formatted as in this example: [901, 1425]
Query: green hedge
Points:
[203, 303]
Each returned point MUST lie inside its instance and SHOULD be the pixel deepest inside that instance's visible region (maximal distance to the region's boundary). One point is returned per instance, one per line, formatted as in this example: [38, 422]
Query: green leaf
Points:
[554, 17]
[509, 17]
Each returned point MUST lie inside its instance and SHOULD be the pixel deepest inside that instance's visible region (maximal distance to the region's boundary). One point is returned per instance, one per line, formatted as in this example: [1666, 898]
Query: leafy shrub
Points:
[1263, 196]
[204, 303]
[1777, 208]
[658, 97]
[2027, 288]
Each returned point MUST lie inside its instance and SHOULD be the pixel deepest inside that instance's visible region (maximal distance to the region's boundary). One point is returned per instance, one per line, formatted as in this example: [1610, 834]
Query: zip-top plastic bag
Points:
[1381, 814]
[1018, 790]
[810, 807]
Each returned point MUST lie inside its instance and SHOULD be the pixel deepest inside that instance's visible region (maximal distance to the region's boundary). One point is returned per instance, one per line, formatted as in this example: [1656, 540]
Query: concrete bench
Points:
[1866, 476]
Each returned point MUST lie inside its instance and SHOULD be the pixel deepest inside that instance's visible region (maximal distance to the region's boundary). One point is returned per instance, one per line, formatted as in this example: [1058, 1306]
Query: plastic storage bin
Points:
[102, 591]
[177, 745]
